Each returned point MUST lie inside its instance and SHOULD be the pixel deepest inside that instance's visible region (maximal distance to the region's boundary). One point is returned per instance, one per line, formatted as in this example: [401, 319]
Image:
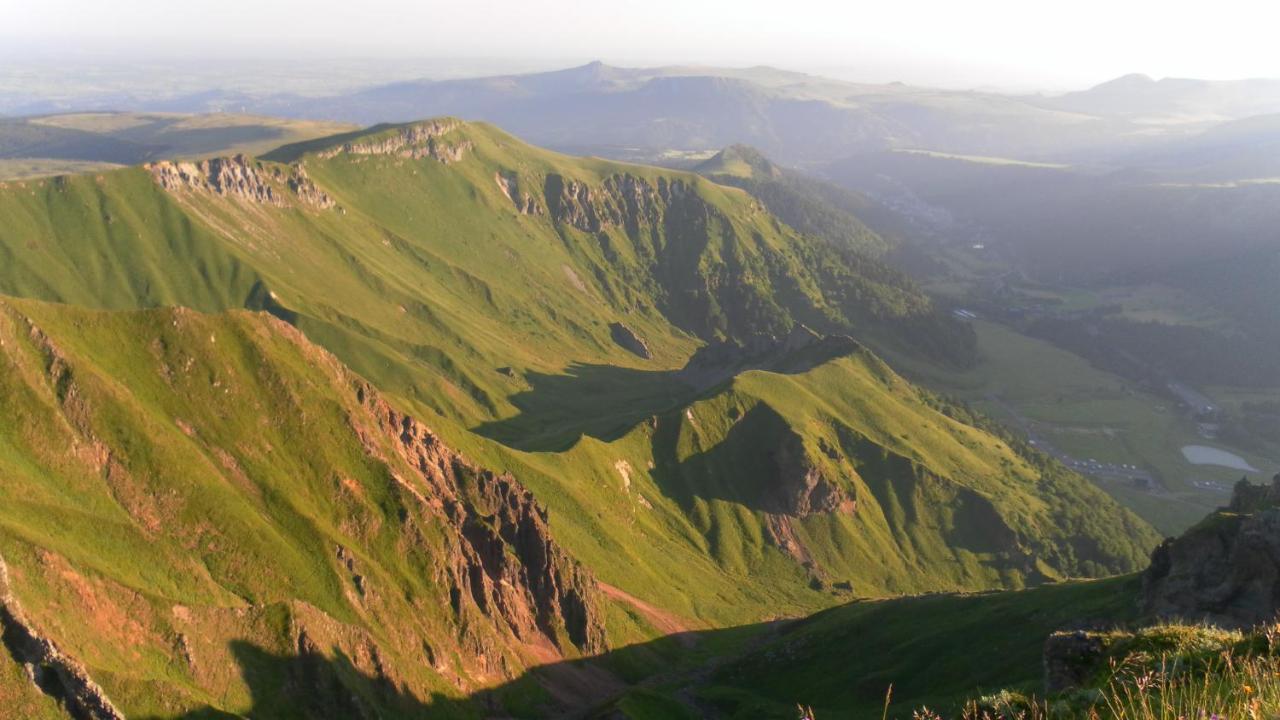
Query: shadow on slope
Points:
[606, 401]
[939, 650]
[310, 685]
[602, 401]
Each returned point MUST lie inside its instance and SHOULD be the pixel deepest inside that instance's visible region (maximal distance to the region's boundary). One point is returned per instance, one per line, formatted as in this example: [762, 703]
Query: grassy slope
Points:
[428, 281]
[936, 650]
[174, 487]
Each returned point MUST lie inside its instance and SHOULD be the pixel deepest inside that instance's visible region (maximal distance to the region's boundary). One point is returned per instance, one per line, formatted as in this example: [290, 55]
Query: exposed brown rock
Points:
[800, 488]
[236, 176]
[508, 564]
[306, 190]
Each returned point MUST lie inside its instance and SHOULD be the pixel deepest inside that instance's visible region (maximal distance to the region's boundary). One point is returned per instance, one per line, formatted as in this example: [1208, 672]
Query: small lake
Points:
[1205, 455]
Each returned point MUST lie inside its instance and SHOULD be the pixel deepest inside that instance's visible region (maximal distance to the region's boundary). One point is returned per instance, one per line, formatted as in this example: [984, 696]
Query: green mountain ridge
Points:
[811, 206]
[746, 468]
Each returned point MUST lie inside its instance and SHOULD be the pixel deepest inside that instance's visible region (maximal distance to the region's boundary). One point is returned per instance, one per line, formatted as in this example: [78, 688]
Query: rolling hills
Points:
[669, 370]
[73, 142]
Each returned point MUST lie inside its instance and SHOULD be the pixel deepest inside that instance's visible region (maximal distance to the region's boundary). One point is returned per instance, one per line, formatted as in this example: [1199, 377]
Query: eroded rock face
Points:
[416, 141]
[306, 190]
[57, 674]
[1226, 570]
[508, 564]
[622, 200]
[241, 178]
[236, 176]
[524, 203]
[800, 488]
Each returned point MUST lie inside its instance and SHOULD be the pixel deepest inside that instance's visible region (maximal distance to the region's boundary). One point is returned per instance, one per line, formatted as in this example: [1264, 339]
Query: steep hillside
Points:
[209, 511]
[1194, 632]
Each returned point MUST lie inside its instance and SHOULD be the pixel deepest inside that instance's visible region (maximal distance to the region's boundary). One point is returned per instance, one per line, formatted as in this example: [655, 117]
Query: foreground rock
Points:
[1226, 570]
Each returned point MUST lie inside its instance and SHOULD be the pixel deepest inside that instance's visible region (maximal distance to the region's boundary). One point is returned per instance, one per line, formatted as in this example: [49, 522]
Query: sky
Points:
[1017, 44]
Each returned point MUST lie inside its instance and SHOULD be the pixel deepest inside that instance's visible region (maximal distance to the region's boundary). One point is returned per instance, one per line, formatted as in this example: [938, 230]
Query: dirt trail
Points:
[666, 622]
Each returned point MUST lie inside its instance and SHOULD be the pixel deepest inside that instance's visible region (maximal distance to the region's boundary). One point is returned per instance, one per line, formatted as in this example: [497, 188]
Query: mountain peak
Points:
[1131, 80]
[739, 160]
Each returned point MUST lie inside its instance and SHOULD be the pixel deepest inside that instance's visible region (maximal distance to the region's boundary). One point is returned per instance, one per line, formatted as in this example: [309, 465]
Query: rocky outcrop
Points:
[236, 176]
[1070, 659]
[508, 562]
[628, 340]
[1226, 570]
[800, 488]
[306, 190]
[415, 141]
[509, 184]
[622, 200]
[241, 178]
[56, 674]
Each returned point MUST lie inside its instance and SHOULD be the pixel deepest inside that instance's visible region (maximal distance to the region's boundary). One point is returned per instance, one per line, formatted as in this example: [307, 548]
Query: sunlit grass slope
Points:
[478, 280]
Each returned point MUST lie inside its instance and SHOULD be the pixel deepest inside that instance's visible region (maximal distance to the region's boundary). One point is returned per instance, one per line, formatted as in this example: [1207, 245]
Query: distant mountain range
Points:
[799, 119]
[1173, 100]
[795, 117]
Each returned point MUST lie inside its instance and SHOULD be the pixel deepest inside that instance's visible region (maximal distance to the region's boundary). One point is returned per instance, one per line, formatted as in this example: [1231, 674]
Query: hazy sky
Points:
[1054, 43]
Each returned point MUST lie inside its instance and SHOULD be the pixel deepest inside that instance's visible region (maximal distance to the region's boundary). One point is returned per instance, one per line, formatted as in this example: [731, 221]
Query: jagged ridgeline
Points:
[663, 364]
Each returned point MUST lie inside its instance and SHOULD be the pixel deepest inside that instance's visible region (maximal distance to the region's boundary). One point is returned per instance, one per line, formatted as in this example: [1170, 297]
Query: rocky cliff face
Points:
[801, 488]
[622, 200]
[235, 176]
[242, 178]
[53, 671]
[507, 561]
[1226, 570]
[509, 183]
[416, 141]
[306, 190]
